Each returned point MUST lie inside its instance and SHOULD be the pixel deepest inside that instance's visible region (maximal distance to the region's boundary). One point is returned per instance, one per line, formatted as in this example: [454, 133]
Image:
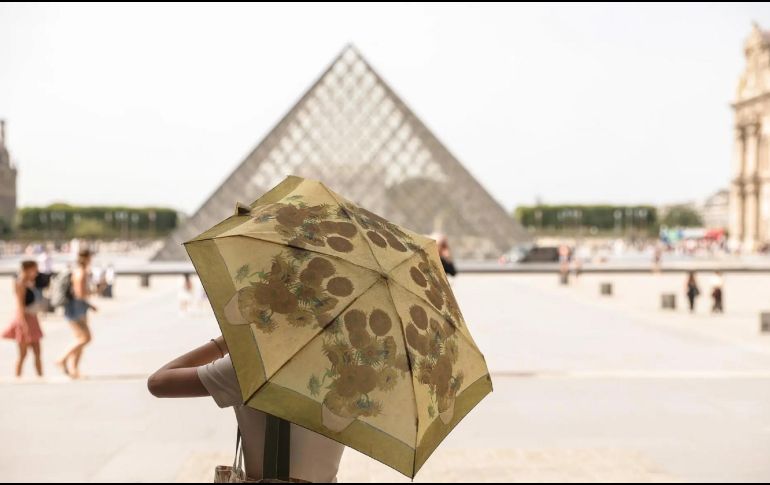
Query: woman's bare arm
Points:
[179, 378]
[21, 293]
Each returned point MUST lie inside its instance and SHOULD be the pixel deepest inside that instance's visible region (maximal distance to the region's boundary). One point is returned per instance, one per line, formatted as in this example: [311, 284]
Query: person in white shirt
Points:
[208, 371]
[43, 280]
[97, 279]
[109, 280]
[45, 262]
[185, 295]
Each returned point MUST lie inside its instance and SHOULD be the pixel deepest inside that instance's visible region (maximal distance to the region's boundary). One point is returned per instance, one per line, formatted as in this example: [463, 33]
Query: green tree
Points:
[63, 220]
[574, 218]
[682, 216]
[89, 229]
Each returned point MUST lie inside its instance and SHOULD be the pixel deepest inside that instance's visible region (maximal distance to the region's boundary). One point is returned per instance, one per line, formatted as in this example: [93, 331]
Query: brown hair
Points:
[28, 264]
[83, 255]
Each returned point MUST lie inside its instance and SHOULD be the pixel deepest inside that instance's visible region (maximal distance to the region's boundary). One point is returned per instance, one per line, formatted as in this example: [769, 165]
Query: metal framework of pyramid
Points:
[352, 132]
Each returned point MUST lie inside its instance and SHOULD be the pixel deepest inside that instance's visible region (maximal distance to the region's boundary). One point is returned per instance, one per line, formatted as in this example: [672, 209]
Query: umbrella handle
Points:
[276, 460]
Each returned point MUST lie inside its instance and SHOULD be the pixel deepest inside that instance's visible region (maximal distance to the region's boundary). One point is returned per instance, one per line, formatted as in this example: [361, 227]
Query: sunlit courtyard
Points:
[586, 388]
[463, 242]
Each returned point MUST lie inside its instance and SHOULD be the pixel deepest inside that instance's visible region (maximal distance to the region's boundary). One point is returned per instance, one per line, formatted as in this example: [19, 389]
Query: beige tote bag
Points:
[237, 473]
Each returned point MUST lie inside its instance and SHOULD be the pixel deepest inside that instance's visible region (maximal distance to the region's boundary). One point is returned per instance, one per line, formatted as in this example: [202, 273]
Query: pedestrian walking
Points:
[109, 281]
[25, 326]
[186, 295]
[76, 312]
[717, 292]
[445, 254]
[692, 290]
[657, 257]
[564, 263]
[98, 281]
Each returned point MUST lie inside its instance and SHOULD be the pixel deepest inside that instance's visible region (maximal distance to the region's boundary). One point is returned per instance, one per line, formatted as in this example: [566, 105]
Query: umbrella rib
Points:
[368, 243]
[310, 340]
[464, 337]
[342, 206]
[411, 376]
[422, 298]
[413, 255]
[410, 256]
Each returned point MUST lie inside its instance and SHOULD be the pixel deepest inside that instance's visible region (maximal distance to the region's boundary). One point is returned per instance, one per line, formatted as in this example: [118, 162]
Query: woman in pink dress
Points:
[25, 327]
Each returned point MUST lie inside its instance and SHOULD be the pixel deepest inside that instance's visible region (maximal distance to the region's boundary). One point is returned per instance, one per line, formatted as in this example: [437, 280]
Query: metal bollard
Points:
[764, 322]
[668, 301]
[606, 289]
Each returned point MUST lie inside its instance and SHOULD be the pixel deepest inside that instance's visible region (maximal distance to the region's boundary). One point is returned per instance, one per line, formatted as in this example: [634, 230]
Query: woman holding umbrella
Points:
[336, 321]
[208, 371]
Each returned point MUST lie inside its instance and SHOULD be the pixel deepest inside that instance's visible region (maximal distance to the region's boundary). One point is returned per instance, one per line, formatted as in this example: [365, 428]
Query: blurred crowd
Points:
[628, 250]
[71, 247]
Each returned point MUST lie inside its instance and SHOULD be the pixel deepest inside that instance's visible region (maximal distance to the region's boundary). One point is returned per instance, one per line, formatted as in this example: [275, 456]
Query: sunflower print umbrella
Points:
[341, 322]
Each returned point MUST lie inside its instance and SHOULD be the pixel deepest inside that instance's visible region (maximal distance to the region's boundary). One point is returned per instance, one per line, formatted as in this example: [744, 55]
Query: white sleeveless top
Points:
[314, 458]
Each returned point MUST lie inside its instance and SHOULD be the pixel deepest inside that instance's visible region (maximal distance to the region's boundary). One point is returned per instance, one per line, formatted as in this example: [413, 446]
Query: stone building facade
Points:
[7, 183]
[750, 181]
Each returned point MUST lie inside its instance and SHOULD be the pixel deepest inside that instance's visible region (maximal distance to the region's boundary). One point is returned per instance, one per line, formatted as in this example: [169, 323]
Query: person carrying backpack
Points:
[75, 301]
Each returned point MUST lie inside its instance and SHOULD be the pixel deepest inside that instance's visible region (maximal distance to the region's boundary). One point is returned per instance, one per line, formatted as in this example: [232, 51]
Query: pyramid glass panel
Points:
[352, 132]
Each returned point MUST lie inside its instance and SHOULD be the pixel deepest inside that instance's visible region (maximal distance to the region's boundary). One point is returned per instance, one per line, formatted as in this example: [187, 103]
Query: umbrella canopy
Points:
[341, 322]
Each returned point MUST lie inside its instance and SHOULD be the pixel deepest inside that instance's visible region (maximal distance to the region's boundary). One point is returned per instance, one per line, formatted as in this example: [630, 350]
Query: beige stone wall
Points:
[7, 194]
[750, 184]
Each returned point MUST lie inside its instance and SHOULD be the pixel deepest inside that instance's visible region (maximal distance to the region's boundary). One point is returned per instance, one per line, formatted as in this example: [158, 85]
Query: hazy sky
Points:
[157, 104]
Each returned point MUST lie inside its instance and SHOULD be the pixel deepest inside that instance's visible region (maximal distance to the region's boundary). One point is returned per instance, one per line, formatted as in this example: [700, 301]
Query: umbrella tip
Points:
[242, 209]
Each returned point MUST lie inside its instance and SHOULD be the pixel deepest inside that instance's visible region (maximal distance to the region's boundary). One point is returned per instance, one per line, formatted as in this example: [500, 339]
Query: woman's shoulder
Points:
[221, 382]
[79, 272]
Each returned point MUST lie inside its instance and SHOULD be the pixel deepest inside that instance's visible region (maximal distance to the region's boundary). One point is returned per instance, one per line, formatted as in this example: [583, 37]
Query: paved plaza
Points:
[587, 388]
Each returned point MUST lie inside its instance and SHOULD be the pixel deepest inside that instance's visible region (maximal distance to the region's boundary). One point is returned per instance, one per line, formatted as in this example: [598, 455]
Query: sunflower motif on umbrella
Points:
[305, 225]
[300, 286]
[363, 358]
[342, 322]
